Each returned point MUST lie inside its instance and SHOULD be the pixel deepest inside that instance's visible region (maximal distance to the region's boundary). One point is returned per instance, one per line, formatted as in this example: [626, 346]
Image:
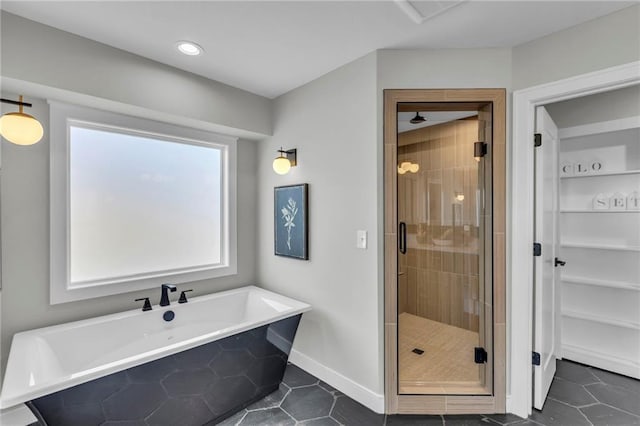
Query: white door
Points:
[546, 233]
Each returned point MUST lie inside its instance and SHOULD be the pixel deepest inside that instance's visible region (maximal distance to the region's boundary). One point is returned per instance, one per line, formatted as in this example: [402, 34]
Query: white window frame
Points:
[62, 116]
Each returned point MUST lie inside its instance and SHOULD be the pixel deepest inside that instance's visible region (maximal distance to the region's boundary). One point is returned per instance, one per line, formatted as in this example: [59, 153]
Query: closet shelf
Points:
[601, 283]
[601, 320]
[600, 246]
[600, 127]
[597, 211]
[626, 172]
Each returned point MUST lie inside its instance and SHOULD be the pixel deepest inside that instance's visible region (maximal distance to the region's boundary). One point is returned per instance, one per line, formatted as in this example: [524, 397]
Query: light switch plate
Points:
[362, 239]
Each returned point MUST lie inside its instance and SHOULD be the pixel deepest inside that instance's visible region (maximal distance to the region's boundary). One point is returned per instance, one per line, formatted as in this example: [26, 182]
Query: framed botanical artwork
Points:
[291, 221]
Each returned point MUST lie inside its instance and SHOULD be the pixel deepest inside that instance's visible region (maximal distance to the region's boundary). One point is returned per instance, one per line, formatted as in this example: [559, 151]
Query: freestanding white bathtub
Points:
[48, 360]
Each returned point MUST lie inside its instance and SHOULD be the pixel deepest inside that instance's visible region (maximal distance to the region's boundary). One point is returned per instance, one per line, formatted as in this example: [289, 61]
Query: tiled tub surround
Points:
[203, 385]
[51, 359]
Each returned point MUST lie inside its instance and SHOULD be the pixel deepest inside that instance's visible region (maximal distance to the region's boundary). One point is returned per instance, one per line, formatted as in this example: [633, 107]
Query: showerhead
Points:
[417, 119]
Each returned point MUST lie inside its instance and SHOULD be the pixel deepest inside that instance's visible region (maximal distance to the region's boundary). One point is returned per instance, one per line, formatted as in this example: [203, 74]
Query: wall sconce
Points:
[408, 166]
[285, 161]
[18, 127]
[459, 196]
[479, 150]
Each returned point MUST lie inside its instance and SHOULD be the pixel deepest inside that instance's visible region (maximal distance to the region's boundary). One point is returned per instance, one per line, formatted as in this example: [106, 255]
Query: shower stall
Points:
[445, 269]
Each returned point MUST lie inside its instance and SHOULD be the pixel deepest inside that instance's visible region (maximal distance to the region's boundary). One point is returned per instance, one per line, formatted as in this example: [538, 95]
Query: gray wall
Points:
[332, 123]
[336, 124]
[24, 221]
[621, 103]
[53, 58]
[601, 43]
[44, 62]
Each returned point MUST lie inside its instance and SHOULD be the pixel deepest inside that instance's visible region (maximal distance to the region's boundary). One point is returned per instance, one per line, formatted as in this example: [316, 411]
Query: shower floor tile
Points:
[446, 366]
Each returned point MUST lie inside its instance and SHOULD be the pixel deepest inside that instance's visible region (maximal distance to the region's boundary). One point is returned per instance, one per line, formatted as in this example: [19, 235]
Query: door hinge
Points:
[479, 150]
[537, 139]
[535, 358]
[537, 249]
[480, 355]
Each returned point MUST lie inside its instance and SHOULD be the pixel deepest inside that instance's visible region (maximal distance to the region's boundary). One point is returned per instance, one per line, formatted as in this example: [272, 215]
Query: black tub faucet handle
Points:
[147, 304]
[183, 296]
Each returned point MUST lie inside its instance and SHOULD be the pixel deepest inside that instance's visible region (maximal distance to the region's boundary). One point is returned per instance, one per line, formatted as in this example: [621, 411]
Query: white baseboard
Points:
[604, 361]
[356, 391]
[19, 415]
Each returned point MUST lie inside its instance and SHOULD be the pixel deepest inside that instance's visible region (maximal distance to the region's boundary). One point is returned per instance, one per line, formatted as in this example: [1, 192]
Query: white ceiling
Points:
[271, 47]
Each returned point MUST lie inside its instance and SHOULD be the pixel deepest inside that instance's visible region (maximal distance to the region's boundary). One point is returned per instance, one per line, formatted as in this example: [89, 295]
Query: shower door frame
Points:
[444, 404]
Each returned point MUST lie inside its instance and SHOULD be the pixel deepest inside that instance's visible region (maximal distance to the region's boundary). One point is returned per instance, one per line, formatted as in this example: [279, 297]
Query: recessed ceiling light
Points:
[189, 48]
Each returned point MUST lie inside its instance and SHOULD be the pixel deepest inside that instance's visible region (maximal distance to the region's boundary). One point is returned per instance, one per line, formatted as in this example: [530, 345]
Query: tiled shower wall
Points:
[440, 282]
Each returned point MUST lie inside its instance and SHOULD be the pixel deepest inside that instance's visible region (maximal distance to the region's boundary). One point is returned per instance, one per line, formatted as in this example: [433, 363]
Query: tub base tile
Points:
[76, 415]
[134, 402]
[224, 394]
[273, 399]
[231, 363]
[267, 372]
[203, 385]
[181, 411]
[96, 390]
[153, 371]
[198, 357]
[192, 382]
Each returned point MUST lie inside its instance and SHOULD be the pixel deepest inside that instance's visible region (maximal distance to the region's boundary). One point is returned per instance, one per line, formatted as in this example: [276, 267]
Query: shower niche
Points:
[448, 282]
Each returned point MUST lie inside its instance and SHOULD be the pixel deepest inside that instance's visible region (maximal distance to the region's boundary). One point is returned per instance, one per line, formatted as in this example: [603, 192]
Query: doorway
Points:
[586, 279]
[521, 276]
[444, 251]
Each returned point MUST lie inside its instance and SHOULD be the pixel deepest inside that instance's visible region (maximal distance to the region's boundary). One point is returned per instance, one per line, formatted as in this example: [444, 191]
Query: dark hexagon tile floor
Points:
[580, 395]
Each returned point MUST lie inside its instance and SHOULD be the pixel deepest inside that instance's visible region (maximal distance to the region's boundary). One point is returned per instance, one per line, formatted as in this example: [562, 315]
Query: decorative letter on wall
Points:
[566, 169]
[601, 202]
[633, 201]
[581, 168]
[617, 202]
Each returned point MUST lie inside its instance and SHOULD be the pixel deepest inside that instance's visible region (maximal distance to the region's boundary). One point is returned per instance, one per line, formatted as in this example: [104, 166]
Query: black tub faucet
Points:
[164, 300]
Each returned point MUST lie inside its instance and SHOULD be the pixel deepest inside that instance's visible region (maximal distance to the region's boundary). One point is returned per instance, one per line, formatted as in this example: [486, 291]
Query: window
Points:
[137, 203]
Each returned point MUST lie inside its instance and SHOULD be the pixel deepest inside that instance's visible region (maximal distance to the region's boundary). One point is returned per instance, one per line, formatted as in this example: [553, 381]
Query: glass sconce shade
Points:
[281, 165]
[20, 128]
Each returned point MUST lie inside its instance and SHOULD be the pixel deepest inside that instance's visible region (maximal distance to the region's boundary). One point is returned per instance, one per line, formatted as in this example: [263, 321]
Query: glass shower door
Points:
[444, 277]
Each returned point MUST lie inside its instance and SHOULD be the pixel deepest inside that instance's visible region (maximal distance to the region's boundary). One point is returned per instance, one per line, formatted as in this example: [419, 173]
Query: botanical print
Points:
[289, 212]
[290, 221]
